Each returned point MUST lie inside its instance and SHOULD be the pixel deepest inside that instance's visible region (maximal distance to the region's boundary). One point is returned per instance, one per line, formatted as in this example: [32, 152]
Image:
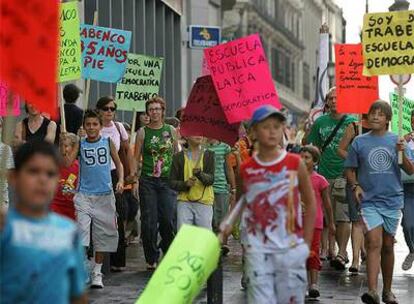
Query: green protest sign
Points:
[70, 46]
[408, 106]
[141, 81]
[191, 258]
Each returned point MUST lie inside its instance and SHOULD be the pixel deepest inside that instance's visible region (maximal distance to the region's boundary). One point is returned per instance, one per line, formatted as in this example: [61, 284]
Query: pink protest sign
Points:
[3, 101]
[204, 116]
[241, 77]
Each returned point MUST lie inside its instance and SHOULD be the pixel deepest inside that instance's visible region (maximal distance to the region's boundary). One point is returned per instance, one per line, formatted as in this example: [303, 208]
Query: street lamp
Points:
[331, 73]
[399, 5]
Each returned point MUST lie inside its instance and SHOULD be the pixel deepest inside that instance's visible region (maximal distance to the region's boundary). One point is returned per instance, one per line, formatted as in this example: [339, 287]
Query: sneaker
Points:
[96, 281]
[314, 291]
[243, 282]
[370, 297]
[408, 262]
[151, 267]
[389, 298]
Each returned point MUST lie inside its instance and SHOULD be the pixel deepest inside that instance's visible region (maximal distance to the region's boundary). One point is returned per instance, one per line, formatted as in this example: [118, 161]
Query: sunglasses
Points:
[106, 109]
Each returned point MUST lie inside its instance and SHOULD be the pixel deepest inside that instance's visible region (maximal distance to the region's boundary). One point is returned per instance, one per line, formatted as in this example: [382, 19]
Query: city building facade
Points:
[156, 31]
[289, 30]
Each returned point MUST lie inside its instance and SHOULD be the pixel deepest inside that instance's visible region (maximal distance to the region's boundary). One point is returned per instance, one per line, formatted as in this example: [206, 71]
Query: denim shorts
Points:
[374, 216]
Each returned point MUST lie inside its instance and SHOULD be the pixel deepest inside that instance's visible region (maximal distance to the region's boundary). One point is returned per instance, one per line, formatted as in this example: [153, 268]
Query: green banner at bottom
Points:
[191, 258]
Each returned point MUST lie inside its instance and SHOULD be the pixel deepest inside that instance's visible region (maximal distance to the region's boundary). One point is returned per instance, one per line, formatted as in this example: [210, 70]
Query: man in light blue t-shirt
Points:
[41, 255]
[379, 191]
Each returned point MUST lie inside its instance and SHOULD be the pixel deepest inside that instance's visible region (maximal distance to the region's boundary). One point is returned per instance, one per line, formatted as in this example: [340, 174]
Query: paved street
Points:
[336, 288]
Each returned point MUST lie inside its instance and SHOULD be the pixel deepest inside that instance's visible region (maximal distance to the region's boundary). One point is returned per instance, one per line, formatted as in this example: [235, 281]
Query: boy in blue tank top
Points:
[95, 200]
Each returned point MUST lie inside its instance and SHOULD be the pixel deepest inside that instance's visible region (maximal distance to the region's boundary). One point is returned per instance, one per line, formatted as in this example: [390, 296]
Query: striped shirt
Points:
[6, 161]
[221, 150]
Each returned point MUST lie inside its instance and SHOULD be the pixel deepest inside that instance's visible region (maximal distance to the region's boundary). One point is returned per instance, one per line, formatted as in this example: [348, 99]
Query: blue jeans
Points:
[158, 213]
[408, 216]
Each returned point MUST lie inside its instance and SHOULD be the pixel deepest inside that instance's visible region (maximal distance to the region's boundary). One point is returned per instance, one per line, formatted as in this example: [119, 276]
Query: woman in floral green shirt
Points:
[156, 144]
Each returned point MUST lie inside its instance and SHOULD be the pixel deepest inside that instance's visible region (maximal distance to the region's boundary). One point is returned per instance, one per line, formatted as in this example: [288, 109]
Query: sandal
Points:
[389, 298]
[353, 270]
[338, 263]
[370, 297]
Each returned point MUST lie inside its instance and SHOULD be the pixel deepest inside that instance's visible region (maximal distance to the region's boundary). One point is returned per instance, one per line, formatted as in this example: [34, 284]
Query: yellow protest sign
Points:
[191, 258]
[388, 43]
[70, 43]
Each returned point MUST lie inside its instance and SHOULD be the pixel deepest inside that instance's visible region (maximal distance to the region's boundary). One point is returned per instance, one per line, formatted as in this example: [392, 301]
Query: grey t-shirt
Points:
[379, 174]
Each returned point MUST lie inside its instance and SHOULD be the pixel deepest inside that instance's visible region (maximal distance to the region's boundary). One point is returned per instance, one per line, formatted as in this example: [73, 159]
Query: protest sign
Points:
[191, 258]
[408, 107]
[241, 77]
[141, 82]
[204, 116]
[4, 92]
[104, 52]
[388, 43]
[354, 92]
[28, 50]
[70, 46]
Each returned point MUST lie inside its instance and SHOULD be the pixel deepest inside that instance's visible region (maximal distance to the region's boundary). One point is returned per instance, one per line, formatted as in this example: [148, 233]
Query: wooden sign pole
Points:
[88, 81]
[400, 113]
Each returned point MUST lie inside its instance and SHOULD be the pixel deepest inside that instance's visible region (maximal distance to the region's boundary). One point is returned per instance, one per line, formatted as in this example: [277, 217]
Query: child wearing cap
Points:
[310, 156]
[275, 237]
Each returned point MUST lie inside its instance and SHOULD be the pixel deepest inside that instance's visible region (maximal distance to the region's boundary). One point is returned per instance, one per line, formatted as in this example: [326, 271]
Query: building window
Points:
[288, 73]
[306, 79]
[278, 68]
[293, 76]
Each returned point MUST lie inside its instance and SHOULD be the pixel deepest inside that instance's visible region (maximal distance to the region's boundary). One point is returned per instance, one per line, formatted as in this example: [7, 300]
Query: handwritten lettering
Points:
[355, 92]
[388, 43]
[140, 82]
[104, 52]
[240, 73]
[70, 48]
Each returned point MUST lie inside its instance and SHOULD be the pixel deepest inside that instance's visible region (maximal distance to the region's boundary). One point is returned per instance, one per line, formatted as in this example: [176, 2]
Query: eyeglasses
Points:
[106, 109]
[155, 110]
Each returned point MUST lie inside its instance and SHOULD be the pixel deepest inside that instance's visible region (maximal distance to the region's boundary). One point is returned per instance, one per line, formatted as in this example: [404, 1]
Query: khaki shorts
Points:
[340, 209]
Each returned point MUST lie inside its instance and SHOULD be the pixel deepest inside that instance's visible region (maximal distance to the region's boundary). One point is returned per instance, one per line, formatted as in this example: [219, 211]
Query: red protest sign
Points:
[354, 92]
[204, 116]
[241, 77]
[4, 96]
[28, 50]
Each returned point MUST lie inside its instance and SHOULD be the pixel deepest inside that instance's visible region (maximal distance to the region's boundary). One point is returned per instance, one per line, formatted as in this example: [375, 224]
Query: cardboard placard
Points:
[191, 258]
[355, 93]
[204, 116]
[388, 43]
[70, 45]
[408, 107]
[28, 51]
[141, 82]
[241, 77]
[104, 52]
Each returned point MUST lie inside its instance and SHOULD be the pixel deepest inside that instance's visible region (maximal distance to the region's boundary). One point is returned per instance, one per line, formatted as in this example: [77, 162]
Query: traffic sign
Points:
[202, 36]
[400, 79]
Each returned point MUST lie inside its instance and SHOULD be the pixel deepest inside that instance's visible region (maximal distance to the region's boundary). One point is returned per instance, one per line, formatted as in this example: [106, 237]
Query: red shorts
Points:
[314, 261]
[68, 211]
